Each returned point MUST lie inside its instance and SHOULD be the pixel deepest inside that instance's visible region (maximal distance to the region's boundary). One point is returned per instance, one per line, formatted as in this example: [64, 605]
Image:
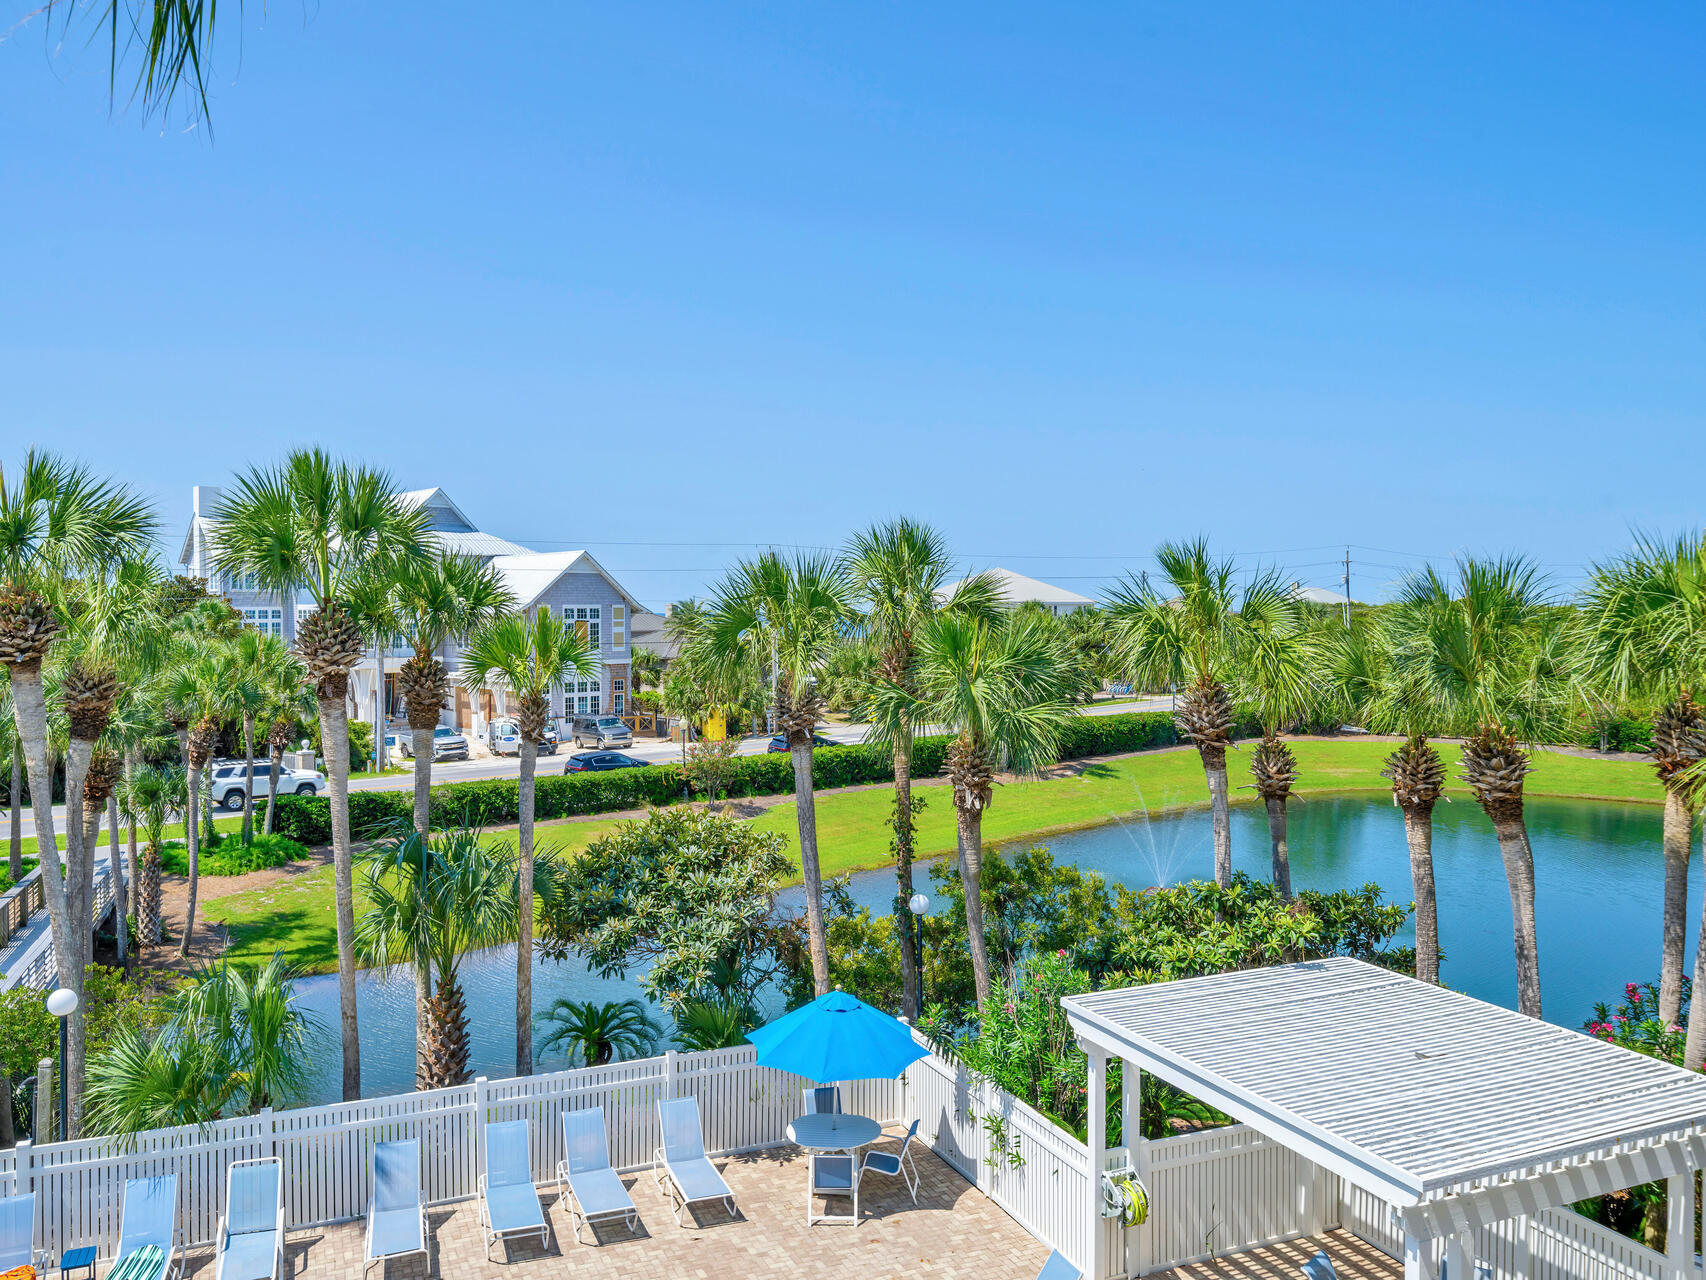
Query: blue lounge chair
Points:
[1058, 1268]
[148, 1225]
[18, 1232]
[251, 1230]
[1320, 1267]
[680, 1165]
[509, 1202]
[895, 1166]
[824, 1100]
[588, 1185]
[396, 1211]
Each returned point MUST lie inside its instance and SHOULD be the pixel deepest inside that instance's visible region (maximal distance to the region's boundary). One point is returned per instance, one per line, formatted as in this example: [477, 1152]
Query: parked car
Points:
[601, 731]
[503, 738]
[598, 761]
[447, 744]
[227, 782]
[780, 742]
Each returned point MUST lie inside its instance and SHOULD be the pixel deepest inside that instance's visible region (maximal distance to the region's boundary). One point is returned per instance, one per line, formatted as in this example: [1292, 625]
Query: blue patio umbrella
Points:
[837, 1037]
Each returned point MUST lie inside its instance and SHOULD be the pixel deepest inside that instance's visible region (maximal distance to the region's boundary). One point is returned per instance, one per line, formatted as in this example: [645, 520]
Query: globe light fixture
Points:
[62, 1004]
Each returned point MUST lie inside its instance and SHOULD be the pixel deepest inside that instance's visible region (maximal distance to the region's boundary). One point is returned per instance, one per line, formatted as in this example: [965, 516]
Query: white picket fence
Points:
[327, 1151]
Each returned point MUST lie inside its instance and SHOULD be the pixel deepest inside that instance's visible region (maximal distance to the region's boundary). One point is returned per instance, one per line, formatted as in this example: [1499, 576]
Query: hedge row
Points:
[493, 802]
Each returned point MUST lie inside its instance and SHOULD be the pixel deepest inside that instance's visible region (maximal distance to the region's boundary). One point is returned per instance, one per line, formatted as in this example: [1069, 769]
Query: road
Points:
[482, 767]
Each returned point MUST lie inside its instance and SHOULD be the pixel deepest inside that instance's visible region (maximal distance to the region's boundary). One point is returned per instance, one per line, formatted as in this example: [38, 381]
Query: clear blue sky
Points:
[1064, 280]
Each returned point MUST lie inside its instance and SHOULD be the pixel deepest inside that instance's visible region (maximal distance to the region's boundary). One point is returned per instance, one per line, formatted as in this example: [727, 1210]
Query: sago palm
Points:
[897, 573]
[1277, 672]
[788, 612]
[1643, 634]
[313, 524]
[592, 1034]
[530, 656]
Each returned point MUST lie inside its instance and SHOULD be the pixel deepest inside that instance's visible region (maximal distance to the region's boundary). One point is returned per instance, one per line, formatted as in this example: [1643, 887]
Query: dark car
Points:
[598, 761]
[780, 743]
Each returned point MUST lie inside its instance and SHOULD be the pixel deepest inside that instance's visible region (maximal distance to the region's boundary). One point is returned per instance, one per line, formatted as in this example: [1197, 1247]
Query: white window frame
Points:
[618, 626]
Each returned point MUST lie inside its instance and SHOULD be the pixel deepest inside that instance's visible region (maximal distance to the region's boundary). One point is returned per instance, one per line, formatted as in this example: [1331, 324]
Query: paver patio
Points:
[953, 1233]
[1353, 1259]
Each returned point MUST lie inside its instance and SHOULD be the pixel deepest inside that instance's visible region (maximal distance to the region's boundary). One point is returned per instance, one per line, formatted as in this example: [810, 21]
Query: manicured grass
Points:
[172, 830]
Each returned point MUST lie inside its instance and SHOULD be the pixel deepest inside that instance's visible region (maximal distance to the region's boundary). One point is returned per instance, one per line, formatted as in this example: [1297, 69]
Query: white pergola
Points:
[1458, 1113]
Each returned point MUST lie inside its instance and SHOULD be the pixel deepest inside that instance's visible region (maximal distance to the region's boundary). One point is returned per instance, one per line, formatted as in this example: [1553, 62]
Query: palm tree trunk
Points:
[79, 870]
[379, 716]
[1419, 835]
[1219, 804]
[1282, 854]
[524, 915]
[276, 756]
[911, 991]
[969, 821]
[1518, 857]
[1694, 1045]
[805, 806]
[91, 847]
[1678, 836]
[334, 743]
[16, 806]
[192, 853]
[121, 887]
[421, 745]
[248, 779]
[131, 761]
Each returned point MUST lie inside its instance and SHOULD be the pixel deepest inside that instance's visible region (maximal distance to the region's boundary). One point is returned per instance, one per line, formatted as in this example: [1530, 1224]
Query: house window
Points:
[582, 698]
[618, 625]
[267, 621]
[593, 625]
[618, 695]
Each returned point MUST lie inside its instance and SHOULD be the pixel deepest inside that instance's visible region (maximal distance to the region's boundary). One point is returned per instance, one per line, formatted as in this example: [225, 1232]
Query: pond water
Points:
[1599, 884]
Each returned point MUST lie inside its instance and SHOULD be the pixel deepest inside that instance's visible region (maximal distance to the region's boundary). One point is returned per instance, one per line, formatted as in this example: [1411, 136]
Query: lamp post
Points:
[62, 1004]
[918, 904]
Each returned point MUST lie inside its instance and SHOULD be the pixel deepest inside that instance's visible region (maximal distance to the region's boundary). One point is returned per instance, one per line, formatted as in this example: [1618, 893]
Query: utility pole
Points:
[1347, 588]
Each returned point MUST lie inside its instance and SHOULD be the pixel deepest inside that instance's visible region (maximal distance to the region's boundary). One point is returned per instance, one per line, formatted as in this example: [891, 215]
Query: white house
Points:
[1017, 589]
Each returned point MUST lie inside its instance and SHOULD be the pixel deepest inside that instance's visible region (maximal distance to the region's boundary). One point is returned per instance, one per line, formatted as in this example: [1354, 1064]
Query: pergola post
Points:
[1096, 1139]
[1679, 1224]
[1131, 1134]
[1460, 1256]
[1417, 1264]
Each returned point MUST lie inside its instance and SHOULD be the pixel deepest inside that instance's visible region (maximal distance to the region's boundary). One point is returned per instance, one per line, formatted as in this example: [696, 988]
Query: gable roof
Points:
[529, 576]
[438, 500]
[1017, 589]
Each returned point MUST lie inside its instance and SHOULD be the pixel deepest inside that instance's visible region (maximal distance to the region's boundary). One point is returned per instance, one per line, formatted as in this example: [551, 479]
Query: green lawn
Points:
[173, 830]
[296, 916]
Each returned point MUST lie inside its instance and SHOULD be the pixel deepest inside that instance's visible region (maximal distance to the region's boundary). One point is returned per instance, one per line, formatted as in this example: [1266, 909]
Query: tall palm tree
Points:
[1192, 637]
[790, 611]
[1277, 672]
[1643, 620]
[429, 900]
[437, 598]
[997, 686]
[287, 704]
[58, 525]
[529, 655]
[257, 659]
[898, 573]
[313, 524]
[371, 604]
[202, 684]
[151, 795]
[646, 666]
[1480, 658]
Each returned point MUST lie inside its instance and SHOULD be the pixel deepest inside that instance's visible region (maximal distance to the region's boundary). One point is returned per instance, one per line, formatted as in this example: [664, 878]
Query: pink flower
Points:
[1061, 953]
[1009, 1006]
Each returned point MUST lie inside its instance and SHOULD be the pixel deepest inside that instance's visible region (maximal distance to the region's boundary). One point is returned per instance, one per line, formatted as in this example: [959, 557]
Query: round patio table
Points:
[833, 1132]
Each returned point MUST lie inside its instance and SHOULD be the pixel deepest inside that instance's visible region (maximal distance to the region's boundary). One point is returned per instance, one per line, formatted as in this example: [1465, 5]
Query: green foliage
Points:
[29, 1033]
[1636, 1023]
[593, 1034]
[713, 1024]
[686, 896]
[231, 858]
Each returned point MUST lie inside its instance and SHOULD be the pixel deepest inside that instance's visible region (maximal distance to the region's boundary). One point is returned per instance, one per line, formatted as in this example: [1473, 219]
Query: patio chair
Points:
[18, 1233]
[680, 1165]
[148, 1230]
[1057, 1267]
[893, 1166]
[831, 1175]
[824, 1100]
[585, 1180]
[1320, 1267]
[509, 1202]
[396, 1210]
[251, 1230]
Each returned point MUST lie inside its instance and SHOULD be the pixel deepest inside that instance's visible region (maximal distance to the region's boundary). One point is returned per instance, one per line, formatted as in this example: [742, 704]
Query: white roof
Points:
[478, 544]
[1017, 589]
[531, 575]
[1409, 1089]
[1317, 595]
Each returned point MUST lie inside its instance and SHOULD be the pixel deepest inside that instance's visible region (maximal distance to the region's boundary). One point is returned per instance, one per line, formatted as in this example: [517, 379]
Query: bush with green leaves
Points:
[591, 1034]
[231, 858]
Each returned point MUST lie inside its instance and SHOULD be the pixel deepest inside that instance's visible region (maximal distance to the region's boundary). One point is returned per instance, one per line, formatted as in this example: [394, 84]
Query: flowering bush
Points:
[1636, 1023]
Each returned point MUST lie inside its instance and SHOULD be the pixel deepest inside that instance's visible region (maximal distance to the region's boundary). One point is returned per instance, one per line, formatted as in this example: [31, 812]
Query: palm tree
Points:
[530, 656]
[202, 685]
[437, 599]
[646, 666]
[15, 787]
[313, 524]
[58, 525]
[371, 604]
[1277, 672]
[1192, 638]
[712, 1024]
[594, 1034]
[791, 610]
[997, 687]
[897, 573]
[151, 795]
[286, 702]
[1644, 634]
[1478, 657]
[259, 663]
[428, 901]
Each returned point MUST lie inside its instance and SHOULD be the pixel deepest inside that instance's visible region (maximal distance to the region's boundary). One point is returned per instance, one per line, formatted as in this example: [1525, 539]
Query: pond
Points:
[1599, 884]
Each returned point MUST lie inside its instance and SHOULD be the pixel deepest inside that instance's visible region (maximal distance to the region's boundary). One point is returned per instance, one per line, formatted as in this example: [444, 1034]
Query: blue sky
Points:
[666, 281]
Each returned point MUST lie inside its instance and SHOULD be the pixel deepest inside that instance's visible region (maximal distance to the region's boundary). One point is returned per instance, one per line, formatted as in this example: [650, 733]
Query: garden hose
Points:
[1135, 1211]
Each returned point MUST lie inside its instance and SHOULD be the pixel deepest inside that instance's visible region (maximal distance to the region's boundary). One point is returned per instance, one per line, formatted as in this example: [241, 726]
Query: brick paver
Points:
[953, 1233]
[1353, 1259]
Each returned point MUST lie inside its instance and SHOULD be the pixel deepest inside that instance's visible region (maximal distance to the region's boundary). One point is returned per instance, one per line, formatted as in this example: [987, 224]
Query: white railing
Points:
[30, 960]
[327, 1151]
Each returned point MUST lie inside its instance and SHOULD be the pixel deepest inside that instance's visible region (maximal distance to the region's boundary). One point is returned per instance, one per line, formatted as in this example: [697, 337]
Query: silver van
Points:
[600, 731]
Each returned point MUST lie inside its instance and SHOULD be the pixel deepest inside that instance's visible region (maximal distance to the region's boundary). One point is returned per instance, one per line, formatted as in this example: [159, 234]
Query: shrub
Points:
[231, 858]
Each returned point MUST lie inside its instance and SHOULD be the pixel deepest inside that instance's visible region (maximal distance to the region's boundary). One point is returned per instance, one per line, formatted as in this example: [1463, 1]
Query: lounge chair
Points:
[824, 1100]
[893, 1166]
[1320, 1267]
[831, 1175]
[1059, 1268]
[509, 1202]
[680, 1165]
[396, 1211]
[18, 1233]
[586, 1182]
[251, 1230]
[147, 1232]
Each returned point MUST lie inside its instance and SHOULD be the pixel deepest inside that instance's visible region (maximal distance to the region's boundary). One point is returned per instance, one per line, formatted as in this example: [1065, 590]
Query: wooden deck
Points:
[1353, 1259]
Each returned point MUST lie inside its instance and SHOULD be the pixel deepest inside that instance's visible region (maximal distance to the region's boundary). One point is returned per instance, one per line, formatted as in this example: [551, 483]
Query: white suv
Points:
[227, 782]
